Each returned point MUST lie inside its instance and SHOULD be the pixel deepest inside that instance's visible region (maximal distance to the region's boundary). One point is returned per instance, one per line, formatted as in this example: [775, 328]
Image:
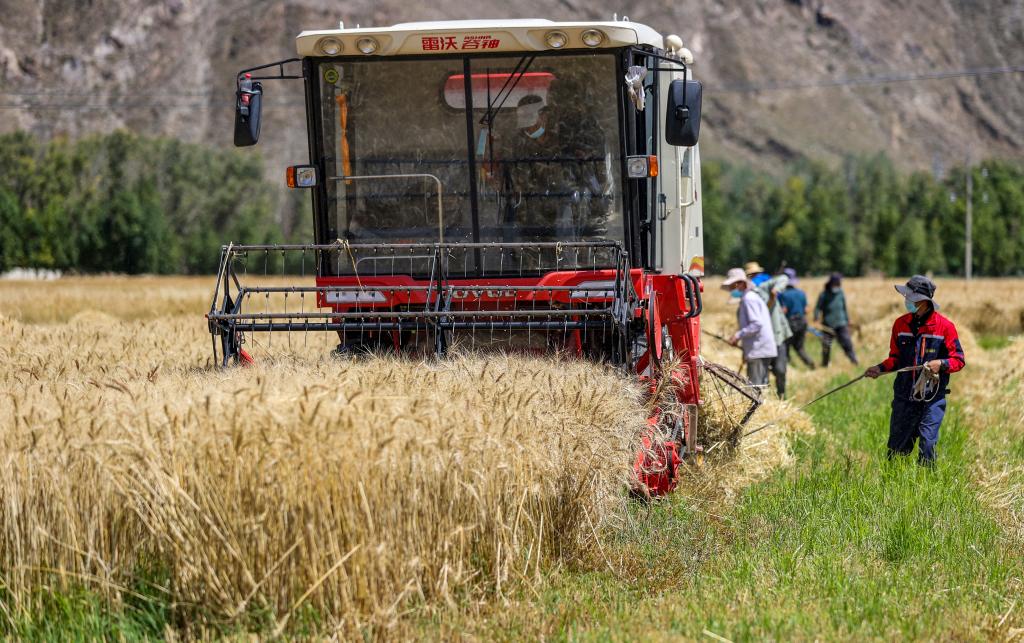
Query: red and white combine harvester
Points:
[521, 184]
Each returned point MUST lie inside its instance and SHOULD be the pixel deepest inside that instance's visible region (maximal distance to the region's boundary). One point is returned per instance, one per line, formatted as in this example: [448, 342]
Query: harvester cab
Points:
[525, 185]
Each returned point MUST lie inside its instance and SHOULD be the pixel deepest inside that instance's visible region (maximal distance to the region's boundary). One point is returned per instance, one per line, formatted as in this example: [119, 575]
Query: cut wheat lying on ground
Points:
[314, 494]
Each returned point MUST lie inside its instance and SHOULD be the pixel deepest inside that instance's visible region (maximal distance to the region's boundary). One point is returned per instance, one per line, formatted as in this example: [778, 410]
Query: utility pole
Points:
[968, 223]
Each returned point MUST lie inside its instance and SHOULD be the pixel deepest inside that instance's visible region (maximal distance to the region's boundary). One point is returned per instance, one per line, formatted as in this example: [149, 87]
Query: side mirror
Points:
[248, 109]
[682, 116]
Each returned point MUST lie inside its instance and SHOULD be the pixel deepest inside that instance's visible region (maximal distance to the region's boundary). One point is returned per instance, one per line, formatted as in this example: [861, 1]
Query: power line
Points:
[746, 88]
[114, 106]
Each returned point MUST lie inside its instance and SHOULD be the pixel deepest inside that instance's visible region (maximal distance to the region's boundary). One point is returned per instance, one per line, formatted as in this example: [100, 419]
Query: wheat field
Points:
[317, 495]
[353, 489]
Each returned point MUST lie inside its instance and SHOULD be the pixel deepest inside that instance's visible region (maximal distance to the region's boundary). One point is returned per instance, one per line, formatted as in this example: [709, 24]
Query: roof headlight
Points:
[368, 45]
[556, 39]
[329, 46]
[592, 37]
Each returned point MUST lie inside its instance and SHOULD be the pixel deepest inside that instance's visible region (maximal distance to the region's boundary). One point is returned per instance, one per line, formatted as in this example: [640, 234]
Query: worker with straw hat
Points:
[755, 273]
[924, 349]
[755, 332]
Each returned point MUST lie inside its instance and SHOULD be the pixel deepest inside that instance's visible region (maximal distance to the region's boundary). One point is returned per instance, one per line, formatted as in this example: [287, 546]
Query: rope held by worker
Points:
[830, 392]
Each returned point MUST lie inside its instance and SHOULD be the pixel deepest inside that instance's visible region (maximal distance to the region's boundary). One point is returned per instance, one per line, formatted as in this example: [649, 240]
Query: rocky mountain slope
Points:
[166, 67]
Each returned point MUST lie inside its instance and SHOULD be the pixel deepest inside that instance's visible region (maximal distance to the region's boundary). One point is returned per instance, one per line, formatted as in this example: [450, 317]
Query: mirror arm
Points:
[280, 71]
[690, 202]
[687, 181]
[669, 59]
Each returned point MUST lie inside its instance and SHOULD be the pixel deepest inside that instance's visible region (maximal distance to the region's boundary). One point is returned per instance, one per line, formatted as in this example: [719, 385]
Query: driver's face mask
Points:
[537, 134]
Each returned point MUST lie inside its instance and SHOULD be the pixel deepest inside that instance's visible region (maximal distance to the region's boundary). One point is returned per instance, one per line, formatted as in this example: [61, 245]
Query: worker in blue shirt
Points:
[794, 305]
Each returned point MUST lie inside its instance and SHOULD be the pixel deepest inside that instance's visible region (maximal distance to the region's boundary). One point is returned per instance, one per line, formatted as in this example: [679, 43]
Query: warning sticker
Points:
[331, 75]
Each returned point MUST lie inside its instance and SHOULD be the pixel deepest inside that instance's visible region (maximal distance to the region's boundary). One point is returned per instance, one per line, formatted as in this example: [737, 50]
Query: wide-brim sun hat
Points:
[919, 288]
[734, 275]
[752, 268]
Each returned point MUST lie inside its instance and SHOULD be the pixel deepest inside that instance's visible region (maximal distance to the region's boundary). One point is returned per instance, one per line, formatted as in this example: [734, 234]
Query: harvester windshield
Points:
[528, 150]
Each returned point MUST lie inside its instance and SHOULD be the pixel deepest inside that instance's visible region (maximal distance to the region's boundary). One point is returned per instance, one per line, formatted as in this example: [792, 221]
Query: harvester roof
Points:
[479, 36]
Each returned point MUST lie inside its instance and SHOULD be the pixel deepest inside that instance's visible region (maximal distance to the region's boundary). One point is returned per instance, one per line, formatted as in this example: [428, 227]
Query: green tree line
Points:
[864, 216]
[124, 203]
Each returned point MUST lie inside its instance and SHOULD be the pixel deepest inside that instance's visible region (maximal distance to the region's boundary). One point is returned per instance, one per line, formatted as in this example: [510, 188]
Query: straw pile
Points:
[733, 461]
[990, 390]
[353, 489]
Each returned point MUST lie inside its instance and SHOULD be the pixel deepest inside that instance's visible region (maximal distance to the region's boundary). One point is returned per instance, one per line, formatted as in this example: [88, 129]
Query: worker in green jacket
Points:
[769, 289]
[831, 311]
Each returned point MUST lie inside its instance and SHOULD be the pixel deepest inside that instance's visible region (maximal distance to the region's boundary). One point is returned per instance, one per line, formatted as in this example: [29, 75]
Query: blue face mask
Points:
[910, 306]
[735, 294]
[538, 133]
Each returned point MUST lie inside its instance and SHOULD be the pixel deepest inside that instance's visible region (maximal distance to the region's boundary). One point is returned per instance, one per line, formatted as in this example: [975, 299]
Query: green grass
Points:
[83, 615]
[843, 545]
[993, 341]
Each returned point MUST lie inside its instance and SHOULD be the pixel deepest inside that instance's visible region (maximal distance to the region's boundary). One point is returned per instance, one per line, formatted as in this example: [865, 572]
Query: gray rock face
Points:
[167, 67]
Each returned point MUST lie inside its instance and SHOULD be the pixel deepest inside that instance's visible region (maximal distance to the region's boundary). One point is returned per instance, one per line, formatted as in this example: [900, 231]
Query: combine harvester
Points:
[521, 184]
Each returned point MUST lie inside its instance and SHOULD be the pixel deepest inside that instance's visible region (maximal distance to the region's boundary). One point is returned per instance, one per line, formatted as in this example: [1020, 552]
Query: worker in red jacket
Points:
[925, 343]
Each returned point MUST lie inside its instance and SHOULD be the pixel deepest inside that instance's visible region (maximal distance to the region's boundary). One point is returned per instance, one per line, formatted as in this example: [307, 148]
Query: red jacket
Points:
[915, 341]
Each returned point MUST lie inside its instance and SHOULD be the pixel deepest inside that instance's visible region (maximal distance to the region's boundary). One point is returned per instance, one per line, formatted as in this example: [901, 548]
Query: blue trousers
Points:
[915, 422]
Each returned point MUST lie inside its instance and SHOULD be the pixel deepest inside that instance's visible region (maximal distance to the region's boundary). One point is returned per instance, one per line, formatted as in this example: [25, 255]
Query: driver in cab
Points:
[543, 173]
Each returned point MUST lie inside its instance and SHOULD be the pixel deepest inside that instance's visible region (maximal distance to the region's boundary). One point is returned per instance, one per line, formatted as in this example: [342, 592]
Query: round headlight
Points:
[367, 45]
[556, 39]
[592, 37]
[329, 46]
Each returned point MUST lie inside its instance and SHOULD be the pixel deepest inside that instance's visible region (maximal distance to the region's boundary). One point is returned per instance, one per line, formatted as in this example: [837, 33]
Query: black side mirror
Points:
[248, 108]
[682, 117]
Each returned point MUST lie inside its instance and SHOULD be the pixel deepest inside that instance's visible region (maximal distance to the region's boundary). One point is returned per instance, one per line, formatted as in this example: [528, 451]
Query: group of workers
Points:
[924, 348]
[773, 321]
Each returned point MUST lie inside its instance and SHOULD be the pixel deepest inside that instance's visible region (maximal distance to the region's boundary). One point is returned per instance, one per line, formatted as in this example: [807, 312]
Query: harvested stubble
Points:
[356, 488]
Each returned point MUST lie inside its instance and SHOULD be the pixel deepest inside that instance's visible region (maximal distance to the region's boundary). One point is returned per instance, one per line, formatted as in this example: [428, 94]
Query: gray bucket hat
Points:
[919, 288]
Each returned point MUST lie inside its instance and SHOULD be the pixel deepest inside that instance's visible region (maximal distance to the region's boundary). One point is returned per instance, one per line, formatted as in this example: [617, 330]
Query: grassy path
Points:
[843, 545]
